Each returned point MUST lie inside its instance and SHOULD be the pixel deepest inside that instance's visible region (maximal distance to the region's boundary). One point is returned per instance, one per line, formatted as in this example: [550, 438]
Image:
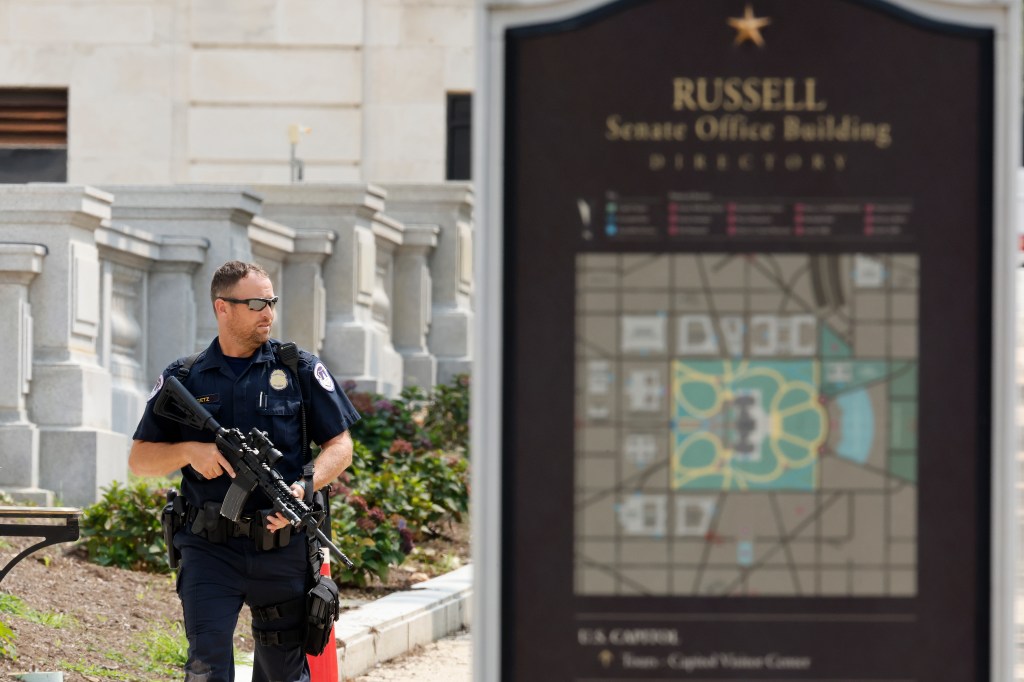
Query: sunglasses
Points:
[253, 303]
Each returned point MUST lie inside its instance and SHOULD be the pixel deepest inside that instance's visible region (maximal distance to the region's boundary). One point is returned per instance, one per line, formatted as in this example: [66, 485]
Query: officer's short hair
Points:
[229, 274]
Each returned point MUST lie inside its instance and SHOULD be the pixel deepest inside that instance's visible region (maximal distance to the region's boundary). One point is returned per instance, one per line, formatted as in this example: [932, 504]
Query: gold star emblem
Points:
[748, 27]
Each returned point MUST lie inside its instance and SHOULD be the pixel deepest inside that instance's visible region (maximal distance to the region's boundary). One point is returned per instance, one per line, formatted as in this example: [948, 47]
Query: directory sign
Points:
[748, 311]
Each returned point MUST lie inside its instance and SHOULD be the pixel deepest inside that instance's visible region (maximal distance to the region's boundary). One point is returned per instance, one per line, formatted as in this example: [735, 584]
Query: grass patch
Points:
[94, 671]
[7, 648]
[166, 646]
[19, 609]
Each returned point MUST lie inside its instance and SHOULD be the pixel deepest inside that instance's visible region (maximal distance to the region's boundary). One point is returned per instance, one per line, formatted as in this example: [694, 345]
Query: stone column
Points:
[220, 214]
[171, 302]
[413, 305]
[271, 243]
[450, 206]
[126, 288]
[388, 235]
[70, 396]
[304, 291]
[19, 438]
[357, 345]
[125, 258]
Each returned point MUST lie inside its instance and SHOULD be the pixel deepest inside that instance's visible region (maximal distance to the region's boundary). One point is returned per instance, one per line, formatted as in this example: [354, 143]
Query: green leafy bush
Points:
[369, 538]
[447, 418]
[385, 503]
[123, 528]
[438, 421]
[385, 419]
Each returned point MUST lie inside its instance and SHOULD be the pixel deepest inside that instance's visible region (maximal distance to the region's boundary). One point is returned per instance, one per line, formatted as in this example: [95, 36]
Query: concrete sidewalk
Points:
[396, 624]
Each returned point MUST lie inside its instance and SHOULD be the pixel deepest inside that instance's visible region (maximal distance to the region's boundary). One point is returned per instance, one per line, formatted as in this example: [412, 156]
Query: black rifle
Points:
[252, 458]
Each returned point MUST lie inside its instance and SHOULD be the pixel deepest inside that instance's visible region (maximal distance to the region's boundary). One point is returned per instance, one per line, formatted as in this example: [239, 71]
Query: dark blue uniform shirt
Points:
[264, 396]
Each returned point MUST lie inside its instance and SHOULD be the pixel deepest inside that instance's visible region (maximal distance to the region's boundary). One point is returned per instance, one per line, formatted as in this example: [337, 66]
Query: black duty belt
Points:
[207, 522]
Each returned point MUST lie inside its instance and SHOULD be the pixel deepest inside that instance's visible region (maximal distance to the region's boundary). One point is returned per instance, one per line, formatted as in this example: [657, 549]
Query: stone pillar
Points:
[304, 291]
[220, 214]
[70, 396]
[357, 343]
[125, 297]
[125, 258]
[19, 438]
[388, 235]
[271, 243]
[450, 206]
[171, 302]
[413, 305]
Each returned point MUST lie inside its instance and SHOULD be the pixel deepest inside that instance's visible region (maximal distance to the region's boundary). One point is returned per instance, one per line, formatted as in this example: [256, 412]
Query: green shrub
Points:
[439, 421]
[447, 419]
[385, 419]
[446, 478]
[385, 503]
[123, 528]
[368, 537]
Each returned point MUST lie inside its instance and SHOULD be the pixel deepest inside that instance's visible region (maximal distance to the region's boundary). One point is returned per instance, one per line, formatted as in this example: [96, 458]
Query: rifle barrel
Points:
[334, 550]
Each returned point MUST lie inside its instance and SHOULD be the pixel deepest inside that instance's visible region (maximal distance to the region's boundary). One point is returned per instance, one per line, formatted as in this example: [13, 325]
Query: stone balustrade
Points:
[103, 288]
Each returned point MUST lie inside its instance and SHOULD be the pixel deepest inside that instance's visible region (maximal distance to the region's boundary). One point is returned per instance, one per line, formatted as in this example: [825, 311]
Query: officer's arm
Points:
[159, 459]
[335, 456]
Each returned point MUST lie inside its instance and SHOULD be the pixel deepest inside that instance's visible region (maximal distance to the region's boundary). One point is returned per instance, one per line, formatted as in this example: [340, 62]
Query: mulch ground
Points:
[99, 623]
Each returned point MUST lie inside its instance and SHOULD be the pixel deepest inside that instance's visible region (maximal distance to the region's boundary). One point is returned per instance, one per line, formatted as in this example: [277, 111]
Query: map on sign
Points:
[746, 424]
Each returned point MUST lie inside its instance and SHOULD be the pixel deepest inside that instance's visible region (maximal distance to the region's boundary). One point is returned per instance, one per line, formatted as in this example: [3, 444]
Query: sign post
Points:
[744, 397]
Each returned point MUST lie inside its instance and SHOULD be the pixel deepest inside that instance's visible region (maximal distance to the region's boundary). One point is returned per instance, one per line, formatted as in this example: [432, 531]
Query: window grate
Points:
[33, 117]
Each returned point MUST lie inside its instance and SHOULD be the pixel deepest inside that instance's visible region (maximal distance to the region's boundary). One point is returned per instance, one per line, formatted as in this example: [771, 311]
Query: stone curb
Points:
[393, 625]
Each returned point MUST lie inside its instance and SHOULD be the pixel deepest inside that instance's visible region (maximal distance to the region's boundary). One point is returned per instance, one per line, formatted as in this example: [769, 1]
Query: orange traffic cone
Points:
[324, 668]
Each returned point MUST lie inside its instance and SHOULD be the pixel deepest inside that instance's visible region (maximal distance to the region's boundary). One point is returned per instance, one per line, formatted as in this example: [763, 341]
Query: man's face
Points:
[248, 328]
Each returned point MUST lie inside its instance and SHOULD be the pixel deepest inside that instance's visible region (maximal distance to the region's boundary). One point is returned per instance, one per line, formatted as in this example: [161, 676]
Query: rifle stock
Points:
[249, 456]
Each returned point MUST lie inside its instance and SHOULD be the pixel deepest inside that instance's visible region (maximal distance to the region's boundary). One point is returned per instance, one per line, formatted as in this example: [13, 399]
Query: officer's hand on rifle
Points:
[207, 461]
[277, 521]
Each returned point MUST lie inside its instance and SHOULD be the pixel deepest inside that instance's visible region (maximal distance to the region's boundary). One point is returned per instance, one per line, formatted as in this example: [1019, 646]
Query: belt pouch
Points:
[322, 607]
[210, 524]
[266, 540]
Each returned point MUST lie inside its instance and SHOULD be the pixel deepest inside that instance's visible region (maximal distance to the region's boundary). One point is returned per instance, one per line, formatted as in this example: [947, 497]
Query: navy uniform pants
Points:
[213, 583]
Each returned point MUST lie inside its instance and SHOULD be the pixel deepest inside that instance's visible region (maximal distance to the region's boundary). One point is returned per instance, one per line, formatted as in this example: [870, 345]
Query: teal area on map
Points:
[832, 346]
[847, 384]
[858, 425]
[747, 424]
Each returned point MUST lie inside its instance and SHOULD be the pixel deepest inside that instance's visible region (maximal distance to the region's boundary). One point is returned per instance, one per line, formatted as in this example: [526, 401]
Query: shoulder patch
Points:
[323, 377]
[156, 387]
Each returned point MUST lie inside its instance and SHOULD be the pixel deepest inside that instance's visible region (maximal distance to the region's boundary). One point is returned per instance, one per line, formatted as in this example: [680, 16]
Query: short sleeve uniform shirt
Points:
[265, 396]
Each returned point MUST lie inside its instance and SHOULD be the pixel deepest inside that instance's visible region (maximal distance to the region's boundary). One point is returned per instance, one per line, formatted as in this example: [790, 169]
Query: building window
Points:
[460, 108]
[33, 135]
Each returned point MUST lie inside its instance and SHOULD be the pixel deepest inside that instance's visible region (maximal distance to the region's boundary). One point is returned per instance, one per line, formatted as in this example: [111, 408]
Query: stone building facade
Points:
[149, 141]
[106, 286]
[192, 91]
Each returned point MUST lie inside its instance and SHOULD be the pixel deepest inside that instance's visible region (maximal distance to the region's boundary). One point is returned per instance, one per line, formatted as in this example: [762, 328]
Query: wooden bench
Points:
[51, 533]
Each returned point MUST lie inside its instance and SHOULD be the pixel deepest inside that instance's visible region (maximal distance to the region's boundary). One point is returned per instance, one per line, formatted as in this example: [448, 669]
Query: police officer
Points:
[259, 560]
